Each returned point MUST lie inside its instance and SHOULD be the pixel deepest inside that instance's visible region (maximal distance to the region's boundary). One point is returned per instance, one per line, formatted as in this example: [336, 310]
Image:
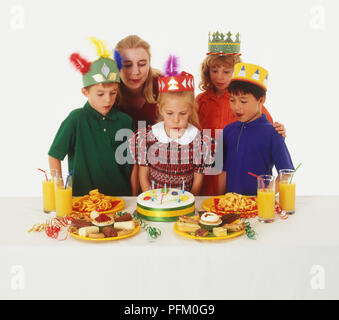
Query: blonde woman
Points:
[139, 80]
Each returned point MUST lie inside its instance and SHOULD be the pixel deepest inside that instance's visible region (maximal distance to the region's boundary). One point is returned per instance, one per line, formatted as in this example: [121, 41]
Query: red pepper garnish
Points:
[115, 203]
[216, 204]
[102, 218]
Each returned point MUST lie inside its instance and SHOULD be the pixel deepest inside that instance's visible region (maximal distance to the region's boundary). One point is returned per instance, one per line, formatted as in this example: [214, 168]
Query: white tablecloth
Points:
[297, 258]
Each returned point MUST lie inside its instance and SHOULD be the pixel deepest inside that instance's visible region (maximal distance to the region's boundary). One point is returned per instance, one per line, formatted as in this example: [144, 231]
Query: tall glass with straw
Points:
[266, 198]
[48, 192]
[287, 190]
[63, 196]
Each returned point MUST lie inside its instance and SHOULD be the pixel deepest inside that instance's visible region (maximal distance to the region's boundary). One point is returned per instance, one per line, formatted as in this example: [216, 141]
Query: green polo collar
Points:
[112, 114]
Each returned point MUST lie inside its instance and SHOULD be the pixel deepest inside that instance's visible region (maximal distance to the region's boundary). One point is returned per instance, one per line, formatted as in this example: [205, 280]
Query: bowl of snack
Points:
[245, 206]
[96, 201]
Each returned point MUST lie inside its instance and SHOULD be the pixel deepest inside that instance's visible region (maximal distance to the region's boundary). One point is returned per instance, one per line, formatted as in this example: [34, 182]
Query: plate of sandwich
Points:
[210, 226]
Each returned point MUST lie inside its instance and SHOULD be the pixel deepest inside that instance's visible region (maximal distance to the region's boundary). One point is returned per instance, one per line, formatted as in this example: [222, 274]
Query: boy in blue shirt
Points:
[250, 144]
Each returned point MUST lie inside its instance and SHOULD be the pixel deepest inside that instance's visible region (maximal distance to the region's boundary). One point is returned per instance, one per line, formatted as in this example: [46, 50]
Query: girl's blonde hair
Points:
[187, 97]
[132, 42]
[227, 61]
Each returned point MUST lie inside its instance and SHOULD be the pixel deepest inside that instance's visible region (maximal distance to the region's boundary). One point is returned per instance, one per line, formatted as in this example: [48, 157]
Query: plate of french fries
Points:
[96, 201]
[245, 206]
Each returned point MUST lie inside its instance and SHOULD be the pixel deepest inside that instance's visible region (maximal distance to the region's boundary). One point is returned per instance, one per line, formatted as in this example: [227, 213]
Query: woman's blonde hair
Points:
[187, 97]
[227, 61]
[132, 42]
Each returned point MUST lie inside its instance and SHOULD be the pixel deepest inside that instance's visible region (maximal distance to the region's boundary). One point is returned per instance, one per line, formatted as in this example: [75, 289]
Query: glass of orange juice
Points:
[48, 191]
[286, 191]
[266, 198]
[63, 197]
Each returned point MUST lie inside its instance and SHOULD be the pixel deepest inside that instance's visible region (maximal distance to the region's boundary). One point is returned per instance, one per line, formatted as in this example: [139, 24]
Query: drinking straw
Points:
[262, 181]
[68, 178]
[44, 173]
[294, 172]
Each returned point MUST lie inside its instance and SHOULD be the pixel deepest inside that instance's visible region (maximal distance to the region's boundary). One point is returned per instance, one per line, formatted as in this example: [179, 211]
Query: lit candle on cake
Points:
[183, 185]
[152, 192]
[165, 188]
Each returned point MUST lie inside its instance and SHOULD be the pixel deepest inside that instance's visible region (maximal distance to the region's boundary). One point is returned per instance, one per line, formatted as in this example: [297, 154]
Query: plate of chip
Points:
[245, 206]
[96, 201]
[210, 236]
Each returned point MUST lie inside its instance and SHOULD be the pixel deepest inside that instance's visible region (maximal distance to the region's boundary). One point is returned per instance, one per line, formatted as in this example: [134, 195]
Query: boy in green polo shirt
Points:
[88, 134]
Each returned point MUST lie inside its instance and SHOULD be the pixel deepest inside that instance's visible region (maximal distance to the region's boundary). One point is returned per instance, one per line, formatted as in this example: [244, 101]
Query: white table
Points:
[297, 258]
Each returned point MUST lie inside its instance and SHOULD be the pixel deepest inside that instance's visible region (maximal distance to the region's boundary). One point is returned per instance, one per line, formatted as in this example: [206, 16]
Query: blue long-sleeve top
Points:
[254, 147]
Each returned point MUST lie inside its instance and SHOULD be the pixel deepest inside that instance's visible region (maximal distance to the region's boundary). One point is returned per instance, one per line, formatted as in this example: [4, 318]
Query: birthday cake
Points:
[165, 205]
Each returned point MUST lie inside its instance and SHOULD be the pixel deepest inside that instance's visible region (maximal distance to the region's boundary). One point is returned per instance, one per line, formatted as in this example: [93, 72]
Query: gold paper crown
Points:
[223, 44]
[250, 73]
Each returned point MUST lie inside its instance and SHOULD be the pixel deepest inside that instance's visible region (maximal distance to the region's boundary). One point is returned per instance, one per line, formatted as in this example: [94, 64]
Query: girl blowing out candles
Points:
[173, 151]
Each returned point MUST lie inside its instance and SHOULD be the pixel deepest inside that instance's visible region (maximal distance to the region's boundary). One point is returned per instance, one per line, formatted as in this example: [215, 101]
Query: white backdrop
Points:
[295, 40]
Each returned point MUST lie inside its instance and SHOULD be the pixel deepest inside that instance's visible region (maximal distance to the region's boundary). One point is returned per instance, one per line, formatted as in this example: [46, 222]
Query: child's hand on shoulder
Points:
[280, 128]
